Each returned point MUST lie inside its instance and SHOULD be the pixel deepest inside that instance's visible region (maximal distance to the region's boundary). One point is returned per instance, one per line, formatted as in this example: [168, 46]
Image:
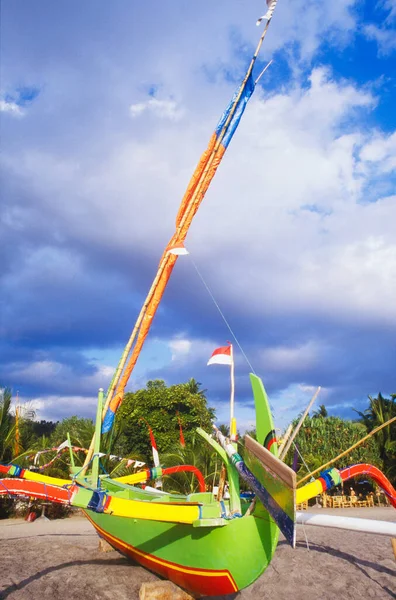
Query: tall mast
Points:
[192, 199]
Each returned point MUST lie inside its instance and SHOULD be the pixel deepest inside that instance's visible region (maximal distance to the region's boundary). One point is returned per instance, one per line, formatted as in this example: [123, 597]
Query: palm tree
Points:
[198, 454]
[7, 425]
[321, 412]
[225, 429]
[380, 411]
[193, 387]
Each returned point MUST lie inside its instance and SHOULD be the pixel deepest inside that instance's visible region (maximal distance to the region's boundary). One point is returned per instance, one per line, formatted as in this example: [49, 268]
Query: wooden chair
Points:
[337, 502]
[326, 500]
[346, 501]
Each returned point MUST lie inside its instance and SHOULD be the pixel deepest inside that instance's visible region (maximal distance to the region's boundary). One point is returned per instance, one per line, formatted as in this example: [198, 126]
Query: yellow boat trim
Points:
[310, 490]
[133, 478]
[32, 476]
[153, 511]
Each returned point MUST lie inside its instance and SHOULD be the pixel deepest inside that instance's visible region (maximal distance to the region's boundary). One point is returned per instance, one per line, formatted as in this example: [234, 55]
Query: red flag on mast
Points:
[221, 356]
[182, 440]
[153, 443]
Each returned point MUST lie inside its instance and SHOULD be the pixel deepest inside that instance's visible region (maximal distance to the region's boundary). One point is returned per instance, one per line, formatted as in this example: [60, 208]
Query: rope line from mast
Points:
[221, 313]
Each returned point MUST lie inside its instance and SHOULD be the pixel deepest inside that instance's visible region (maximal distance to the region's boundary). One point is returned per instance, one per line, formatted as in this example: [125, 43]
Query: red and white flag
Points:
[153, 443]
[221, 356]
[182, 440]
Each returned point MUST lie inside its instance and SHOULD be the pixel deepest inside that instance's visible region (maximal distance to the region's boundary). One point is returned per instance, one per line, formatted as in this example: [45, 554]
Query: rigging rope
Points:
[221, 313]
[302, 458]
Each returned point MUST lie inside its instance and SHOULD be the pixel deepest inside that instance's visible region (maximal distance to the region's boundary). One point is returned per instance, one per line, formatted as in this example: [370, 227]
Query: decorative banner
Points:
[65, 446]
[182, 440]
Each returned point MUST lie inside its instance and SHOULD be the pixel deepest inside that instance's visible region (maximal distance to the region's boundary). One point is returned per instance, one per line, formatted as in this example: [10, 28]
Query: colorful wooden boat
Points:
[207, 546]
[192, 540]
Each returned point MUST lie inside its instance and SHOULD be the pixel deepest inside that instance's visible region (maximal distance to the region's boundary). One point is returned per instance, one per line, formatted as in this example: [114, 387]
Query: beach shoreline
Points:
[61, 558]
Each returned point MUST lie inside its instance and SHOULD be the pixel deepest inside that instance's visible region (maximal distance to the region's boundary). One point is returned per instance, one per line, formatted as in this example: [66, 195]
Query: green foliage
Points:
[321, 439]
[225, 429]
[43, 428]
[197, 453]
[7, 425]
[380, 411]
[321, 412]
[81, 431]
[160, 405]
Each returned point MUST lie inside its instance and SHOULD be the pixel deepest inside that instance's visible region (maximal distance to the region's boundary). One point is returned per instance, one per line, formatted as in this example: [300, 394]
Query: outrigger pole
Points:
[366, 437]
[282, 455]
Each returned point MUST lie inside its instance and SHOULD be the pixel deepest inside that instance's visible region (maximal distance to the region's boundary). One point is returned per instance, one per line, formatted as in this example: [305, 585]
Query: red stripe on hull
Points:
[202, 581]
[35, 489]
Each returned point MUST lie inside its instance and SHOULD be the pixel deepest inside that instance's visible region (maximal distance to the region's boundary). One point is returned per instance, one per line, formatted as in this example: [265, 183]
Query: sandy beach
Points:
[60, 559]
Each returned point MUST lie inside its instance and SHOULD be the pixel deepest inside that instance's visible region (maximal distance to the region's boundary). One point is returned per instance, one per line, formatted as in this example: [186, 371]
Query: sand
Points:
[60, 559]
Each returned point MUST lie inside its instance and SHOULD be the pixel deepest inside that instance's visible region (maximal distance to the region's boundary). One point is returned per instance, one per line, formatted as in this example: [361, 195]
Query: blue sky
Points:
[105, 110]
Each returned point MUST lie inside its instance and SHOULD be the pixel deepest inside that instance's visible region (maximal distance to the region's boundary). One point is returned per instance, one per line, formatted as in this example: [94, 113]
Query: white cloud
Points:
[46, 372]
[381, 149]
[164, 109]
[54, 407]
[384, 37]
[297, 358]
[289, 195]
[384, 34]
[299, 216]
[38, 370]
[180, 348]
[11, 107]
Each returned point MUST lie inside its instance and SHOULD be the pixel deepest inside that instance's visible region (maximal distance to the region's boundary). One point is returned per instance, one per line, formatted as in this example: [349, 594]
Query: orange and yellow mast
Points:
[191, 201]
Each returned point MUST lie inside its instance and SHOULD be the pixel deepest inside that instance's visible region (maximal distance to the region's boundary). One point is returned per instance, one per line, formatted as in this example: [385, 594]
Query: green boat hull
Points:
[208, 561]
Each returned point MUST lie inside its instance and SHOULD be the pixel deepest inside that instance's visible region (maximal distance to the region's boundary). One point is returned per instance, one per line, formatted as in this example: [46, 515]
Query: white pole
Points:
[351, 523]
[297, 429]
[285, 438]
[232, 417]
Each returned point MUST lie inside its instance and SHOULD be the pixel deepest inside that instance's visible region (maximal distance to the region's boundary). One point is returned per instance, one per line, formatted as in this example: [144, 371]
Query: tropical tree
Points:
[193, 387]
[321, 412]
[15, 434]
[321, 439]
[225, 429]
[197, 453]
[7, 425]
[163, 408]
[80, 430]
[379, 411]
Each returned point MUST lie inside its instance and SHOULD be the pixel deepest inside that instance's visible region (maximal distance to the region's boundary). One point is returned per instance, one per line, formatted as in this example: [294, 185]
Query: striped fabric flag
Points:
[153, 443]
[190, 203]
[268, 15]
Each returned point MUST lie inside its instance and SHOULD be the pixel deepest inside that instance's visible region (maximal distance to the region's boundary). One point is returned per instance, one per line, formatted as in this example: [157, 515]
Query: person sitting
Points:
[352, 496]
